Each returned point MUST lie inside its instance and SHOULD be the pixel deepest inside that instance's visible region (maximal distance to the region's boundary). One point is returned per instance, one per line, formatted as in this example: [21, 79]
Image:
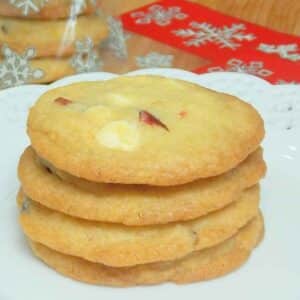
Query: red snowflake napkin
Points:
[232, 44]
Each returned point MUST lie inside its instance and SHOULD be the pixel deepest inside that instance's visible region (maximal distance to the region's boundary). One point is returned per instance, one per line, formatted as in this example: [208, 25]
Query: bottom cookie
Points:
[198, 266]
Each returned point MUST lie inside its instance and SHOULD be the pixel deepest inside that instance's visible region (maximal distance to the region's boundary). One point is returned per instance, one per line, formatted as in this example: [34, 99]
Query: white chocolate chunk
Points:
[76, 106]
[119, 100]
[122, 135]
[98, 111]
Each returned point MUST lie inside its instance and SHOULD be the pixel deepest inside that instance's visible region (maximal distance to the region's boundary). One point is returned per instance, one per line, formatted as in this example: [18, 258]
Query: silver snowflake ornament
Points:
[288, 51]
[28, 6]
[281, 81]
[117, 38]
[155, 60]
[236, 65]
[15, 68]
[86, 59]
[158, 15]
[77, 6]
[202, 33]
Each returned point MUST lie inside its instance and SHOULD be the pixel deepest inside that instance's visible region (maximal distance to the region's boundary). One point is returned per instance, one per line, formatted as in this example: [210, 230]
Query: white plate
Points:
[273, 271]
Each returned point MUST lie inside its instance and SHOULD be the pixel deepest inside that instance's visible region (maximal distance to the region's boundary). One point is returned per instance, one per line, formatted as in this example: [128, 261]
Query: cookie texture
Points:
[119, 245]
[51, 9]
[134, 204]
[198, 266]
[143, 130]
[50, 38]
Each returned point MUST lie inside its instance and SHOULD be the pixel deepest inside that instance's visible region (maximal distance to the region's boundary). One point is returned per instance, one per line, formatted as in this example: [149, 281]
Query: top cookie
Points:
[143, 130]
[51, 9]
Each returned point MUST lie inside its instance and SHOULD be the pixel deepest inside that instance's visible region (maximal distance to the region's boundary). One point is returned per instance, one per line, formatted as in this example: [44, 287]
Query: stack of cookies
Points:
[45, 40]
[141, 180]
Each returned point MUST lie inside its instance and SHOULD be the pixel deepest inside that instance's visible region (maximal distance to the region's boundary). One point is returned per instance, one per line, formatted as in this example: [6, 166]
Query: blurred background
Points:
[40, 48]
[281, 15]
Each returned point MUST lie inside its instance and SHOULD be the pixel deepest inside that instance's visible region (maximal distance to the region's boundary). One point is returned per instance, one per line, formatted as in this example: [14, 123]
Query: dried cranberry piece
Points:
[48, 170]
[183, 114]
[151, 120]
[63, 101]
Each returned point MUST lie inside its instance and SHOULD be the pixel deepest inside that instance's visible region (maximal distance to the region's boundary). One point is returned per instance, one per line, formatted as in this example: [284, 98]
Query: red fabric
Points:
[245, 41]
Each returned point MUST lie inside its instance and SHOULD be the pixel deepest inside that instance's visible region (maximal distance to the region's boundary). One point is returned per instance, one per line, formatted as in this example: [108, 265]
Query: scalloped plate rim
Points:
[81, 77]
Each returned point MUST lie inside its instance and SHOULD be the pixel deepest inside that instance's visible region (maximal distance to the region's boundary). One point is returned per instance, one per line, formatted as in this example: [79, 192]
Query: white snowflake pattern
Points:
[116, 41]
[15, 68]
[159, 15]
[28, 6]
[236, 65]
[155, 60]
[86, 59]
[226, 37]
[288, 51]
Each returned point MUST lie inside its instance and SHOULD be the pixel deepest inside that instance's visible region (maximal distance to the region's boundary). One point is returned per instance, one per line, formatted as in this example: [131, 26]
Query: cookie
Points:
[198, 266]
[143, 130]
[50, 38]
[52, 69]
[51, 9]
[119, 245]
[134, 204]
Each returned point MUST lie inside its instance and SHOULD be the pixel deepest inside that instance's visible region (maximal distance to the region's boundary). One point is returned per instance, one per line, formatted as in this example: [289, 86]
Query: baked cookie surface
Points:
[119, 245]
[143, 130]
[198, 266]
[51, 9]
[135, 204]
[50, 38]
